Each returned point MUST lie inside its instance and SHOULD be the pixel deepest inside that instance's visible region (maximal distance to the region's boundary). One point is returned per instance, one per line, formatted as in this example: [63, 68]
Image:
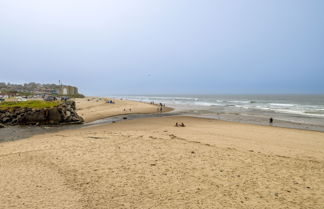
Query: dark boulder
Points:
[35, 116]
[54, 116]
[71, 104]
[5, 119]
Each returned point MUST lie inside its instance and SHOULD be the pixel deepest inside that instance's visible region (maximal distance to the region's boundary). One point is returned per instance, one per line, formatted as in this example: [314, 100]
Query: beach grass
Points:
[34, 104]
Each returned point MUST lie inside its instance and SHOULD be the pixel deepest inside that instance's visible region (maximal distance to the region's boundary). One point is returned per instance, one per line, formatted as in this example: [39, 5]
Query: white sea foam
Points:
[278, 104]
[241, 102]
[282, 105]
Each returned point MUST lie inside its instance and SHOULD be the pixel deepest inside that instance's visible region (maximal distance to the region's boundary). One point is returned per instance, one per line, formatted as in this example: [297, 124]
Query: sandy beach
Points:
[95, 108]
[150, 163]
[161, 104]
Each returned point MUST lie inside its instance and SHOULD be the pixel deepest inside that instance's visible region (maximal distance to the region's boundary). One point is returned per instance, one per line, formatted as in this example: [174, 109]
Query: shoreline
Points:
[228, 117]
[21, 132]
[276, 123]
[14, 133]
[291, 111]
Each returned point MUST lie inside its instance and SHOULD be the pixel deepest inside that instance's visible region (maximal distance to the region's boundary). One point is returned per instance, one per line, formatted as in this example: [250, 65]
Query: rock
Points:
[1, 125]
[54, 116]
[5, 119]
[71, 104]
[68, 113]
[34, 117]
[14, 121]
[63, 114]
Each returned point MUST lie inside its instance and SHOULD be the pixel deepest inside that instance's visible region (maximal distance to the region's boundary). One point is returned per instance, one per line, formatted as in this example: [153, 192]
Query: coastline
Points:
[290, 111]
[96, 111]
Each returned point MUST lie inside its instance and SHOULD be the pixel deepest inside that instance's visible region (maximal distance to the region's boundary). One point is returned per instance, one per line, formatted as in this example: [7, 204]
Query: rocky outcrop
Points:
[62, 114]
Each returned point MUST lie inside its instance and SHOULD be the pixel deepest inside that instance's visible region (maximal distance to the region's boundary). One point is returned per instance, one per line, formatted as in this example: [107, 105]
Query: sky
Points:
[125, 47]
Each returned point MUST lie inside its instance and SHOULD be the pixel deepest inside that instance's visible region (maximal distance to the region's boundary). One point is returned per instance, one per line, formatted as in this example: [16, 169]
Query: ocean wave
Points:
[200, 102]
[161, 98]
[282, 105]
[320, 112]
[240, 101]
[208, 104]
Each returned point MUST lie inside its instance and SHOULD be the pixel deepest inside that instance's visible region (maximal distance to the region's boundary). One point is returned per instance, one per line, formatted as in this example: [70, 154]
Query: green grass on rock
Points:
[34, 104]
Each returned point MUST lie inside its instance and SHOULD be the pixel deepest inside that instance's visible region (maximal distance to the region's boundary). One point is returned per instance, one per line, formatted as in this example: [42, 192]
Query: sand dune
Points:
[150, 163]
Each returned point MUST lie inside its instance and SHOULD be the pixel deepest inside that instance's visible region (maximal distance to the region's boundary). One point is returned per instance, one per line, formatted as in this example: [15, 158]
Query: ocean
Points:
[290, 111]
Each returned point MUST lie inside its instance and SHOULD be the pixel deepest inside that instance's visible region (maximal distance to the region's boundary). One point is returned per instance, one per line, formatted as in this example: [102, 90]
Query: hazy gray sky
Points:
[165, 46]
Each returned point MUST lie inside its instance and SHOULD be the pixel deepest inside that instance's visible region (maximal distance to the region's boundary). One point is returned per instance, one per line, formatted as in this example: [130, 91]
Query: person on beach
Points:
[180, 124]
[271, 121]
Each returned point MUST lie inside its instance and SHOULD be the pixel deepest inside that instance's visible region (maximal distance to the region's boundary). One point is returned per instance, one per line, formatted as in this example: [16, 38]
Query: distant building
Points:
[68, 90]
[37, 89]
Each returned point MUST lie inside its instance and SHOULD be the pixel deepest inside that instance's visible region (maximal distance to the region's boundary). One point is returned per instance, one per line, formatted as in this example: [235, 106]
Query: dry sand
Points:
[150, 163]
[95, 108]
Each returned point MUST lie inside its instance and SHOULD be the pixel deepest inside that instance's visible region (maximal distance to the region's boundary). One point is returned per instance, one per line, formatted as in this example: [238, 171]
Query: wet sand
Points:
[257, 117]
[150, 163]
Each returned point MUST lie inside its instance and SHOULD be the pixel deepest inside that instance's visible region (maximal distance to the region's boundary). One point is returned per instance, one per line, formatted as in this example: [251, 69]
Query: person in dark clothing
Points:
[271, 121]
